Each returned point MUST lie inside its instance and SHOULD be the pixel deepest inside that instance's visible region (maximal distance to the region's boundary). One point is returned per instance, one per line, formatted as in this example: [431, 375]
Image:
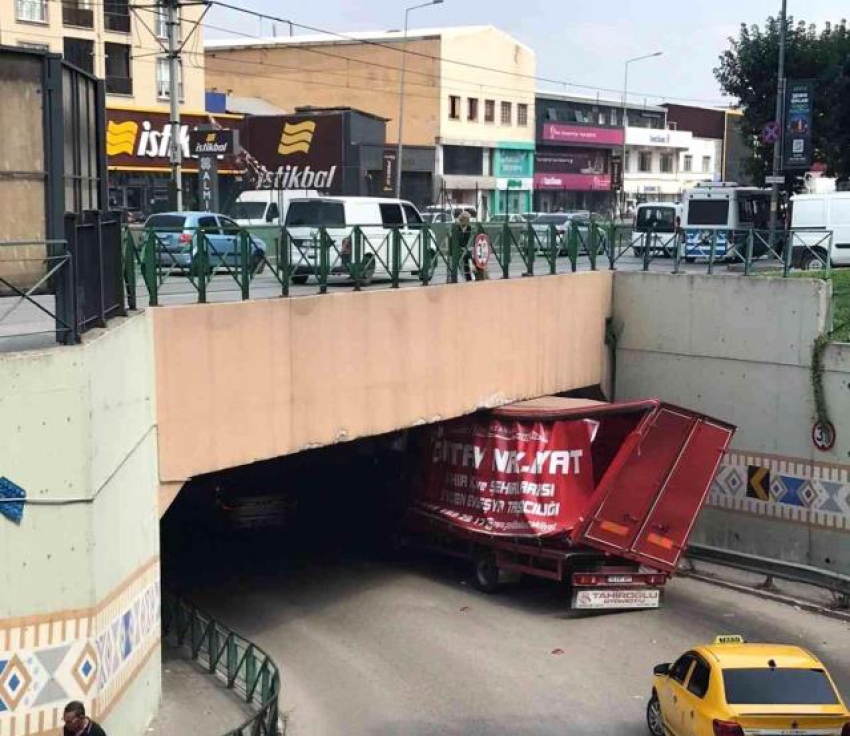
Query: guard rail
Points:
[837, 583]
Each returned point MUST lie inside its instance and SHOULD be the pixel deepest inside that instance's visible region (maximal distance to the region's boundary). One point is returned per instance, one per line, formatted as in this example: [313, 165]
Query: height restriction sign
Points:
[481, 251]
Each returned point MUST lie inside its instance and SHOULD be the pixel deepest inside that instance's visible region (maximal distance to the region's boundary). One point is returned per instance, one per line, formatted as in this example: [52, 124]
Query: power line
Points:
[479, 67]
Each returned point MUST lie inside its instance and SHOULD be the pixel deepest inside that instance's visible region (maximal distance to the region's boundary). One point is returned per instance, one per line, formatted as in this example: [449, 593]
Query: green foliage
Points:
[747, 71]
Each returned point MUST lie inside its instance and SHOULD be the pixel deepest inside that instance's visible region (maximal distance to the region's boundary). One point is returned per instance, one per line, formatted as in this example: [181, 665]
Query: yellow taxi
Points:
[732, 688]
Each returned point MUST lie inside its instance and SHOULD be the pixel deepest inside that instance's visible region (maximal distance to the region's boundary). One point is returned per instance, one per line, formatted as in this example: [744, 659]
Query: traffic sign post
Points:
[481, 251]
[774, 180]
[771, 132]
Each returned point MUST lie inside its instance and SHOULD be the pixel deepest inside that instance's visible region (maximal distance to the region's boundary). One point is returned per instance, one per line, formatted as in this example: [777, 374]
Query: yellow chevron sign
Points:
[121, 137]
[758, 483]
[296, 137]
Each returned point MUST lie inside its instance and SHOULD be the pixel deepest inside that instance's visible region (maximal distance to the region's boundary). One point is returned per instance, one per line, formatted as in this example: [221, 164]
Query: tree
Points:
[747, 71]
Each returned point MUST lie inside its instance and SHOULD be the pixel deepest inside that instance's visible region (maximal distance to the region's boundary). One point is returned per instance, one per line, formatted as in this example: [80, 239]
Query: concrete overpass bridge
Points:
[101, 436]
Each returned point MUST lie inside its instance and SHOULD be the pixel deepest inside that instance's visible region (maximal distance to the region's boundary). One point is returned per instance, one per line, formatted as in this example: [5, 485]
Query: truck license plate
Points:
[619, 578]
[596, 599]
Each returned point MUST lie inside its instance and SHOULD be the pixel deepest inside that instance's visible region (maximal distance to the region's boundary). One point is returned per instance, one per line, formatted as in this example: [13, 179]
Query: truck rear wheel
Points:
[486, 572]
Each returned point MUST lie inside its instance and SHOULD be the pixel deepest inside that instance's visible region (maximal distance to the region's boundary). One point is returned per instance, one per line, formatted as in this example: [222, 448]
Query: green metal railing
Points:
[241, 665]
[432, 253]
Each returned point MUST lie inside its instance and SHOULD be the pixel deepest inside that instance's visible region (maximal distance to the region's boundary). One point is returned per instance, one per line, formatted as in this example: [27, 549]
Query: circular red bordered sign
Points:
[823, 436]
[481, 251]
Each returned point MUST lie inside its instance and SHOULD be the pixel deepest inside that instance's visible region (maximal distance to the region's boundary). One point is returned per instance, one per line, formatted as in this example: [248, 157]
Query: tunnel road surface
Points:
[370, 648]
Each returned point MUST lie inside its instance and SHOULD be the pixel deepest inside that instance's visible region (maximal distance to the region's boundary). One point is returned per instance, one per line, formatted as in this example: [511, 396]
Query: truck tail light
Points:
[656, 579]
[585, 579]
[727, 728]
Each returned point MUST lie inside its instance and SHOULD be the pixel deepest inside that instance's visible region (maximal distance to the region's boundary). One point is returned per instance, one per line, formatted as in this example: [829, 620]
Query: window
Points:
[679, 670]
[116, 15]
[34, 46]
[808, 213]
[79, 52]
[166, 222]
[645, 162]
[31, 11]
[489, 111]
[391, 215]
[454, 107]
[463, 160]
[77, 13]
[472, 109]
[656, 217]
[666, 163]
[627, 162]
[414, 219]
[706, 164]
[688, 163]
[160, 25]
[118, 78]
[315, 213]
[163, 79]
[507, 113]
[698, 684]
[209, 225]
[708, 212]
[229, 227]
[273, 215]
[522, 114]
[778, 686]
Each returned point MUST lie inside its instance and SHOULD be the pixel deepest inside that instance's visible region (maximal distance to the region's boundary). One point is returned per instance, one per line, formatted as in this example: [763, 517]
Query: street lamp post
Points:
[400, 146]
[626, 121]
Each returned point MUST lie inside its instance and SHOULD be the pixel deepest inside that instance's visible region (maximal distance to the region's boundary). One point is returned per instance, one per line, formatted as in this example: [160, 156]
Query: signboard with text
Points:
[510, 477]
[388, 169]
[797, 148]
[576, 169]
[582, 135]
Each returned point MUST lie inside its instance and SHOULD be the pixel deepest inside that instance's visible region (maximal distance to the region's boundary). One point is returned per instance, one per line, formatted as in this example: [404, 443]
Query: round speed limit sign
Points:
[481, 251]
[823, 436]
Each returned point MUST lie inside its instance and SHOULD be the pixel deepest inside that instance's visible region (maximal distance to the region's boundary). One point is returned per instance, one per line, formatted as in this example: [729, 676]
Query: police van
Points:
[725, 213]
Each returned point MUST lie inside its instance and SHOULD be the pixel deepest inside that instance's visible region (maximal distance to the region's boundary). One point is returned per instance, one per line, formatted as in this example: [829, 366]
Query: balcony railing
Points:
[115, 21]
[73, 15]
[119, 85]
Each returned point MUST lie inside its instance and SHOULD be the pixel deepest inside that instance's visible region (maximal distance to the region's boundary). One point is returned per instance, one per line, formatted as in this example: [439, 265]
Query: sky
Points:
[580, 41]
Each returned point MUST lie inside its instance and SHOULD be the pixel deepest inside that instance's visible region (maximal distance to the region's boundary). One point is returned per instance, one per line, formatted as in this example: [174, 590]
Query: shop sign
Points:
[503, 183]
[388, 170]
[582, 135]
[573, 182]
[576, 161]
[513, 163]
[211, 142]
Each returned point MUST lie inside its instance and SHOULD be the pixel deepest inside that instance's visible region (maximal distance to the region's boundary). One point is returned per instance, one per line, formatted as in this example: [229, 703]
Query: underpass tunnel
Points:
[272, 516]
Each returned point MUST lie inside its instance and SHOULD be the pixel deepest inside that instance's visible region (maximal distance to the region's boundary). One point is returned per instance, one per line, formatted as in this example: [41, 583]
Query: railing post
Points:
[324, 259]
[427, 255]
[395, 256]
[748, 254]
[713, 250]
[506, 245]
[282, 261]
[203, 264]
[787, 254]
[553, 249]
[679, 243]
[129, 255]
[648, 243]
[357, 237]
[149, 268]
[454, 253]
[245, 263]
[213, 647]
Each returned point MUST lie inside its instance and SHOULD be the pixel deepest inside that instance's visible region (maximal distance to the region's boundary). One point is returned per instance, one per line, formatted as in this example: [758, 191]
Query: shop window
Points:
[507, 113]
[645, 162]
[454, 107]
[472, 109]
[522, 114]
[463, 160]
[489, 111]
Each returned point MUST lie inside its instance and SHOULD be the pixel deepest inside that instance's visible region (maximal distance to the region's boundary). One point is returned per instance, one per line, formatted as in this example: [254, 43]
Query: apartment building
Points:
[468, 101]
[120, 42]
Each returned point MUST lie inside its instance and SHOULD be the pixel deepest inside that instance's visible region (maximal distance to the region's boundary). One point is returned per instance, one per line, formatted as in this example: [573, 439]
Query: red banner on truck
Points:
[515, 478]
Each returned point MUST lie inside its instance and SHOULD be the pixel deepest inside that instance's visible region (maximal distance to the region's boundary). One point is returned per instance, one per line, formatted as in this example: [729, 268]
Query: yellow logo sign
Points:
[296, 137]
[121, 137]
[211, 138]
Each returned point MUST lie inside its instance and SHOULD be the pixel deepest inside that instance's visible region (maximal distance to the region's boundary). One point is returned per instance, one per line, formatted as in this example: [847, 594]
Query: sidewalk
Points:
[194, 702]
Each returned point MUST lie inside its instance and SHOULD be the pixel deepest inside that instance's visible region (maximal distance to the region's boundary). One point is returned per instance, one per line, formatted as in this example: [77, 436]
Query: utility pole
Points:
[172, 24]
[780, 115]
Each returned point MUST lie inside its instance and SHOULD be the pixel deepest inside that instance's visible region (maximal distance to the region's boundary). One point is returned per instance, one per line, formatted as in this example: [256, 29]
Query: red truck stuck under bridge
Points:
[599, 496]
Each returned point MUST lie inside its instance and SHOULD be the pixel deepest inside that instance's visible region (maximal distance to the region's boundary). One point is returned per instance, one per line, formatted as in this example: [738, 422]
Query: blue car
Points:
[178, 241]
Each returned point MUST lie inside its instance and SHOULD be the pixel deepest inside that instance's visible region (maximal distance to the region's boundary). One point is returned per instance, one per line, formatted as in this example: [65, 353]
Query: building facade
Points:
[123, 45]
[479, 122]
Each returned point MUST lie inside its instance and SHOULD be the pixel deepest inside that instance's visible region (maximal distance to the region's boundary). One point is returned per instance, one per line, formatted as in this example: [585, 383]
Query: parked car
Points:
[266, 206]
[561, 221]
[178, 236]
[813, 216]
[656, 225]
[512, 219]
[337, 217]
[449, 213]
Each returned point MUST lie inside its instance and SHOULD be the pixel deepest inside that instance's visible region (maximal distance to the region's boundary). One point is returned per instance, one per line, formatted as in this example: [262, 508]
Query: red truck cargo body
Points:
[626, 479]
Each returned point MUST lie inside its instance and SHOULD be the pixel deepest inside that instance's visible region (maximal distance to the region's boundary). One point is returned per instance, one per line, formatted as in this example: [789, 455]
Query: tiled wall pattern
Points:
[90, 655]
[791, 489]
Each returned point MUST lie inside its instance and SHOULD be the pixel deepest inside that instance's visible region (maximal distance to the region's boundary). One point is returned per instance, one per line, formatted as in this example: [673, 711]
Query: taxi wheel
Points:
[653, 717]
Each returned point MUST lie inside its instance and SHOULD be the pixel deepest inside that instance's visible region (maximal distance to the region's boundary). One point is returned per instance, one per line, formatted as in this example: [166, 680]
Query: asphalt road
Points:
[381, 648]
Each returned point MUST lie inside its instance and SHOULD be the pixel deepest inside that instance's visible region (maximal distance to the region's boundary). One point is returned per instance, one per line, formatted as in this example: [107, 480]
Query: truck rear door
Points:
[647, 502]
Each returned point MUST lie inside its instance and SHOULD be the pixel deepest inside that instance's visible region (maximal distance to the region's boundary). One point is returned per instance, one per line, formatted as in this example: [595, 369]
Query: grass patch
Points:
[840, 279]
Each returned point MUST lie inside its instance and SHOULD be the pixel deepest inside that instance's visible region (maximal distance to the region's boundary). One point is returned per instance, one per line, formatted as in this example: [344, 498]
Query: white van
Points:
[726, 213]
[447, 214]
[376, 217]
[657, 222]
[813, 217]
[265, 206]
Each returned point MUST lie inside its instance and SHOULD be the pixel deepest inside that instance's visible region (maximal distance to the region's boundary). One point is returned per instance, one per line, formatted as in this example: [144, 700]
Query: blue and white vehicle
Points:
[724, 213]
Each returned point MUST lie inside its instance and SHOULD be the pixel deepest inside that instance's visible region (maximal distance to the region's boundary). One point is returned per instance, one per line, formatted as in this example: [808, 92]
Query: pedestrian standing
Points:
[77, 723]
[464, 236]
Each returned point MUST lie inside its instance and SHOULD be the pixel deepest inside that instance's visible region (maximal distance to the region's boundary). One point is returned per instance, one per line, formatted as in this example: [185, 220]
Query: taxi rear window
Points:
[766, 686]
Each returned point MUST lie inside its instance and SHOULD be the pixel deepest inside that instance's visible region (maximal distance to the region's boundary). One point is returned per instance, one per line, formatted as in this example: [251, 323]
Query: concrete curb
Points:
[776, 597]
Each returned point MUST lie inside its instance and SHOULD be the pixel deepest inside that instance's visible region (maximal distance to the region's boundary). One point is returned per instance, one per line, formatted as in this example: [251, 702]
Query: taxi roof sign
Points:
[729, 639]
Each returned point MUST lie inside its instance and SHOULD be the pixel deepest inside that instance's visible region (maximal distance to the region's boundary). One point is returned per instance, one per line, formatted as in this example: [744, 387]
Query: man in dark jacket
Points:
[77, 723]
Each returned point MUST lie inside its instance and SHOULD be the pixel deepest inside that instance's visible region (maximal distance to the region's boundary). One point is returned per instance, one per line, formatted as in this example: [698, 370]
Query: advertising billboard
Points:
[582, 135]
[797, 149]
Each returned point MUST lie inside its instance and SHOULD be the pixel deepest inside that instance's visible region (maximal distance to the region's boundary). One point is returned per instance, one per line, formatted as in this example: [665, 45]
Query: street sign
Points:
[774, 180]
[481, 251]
[770, 132]
[823, 436]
